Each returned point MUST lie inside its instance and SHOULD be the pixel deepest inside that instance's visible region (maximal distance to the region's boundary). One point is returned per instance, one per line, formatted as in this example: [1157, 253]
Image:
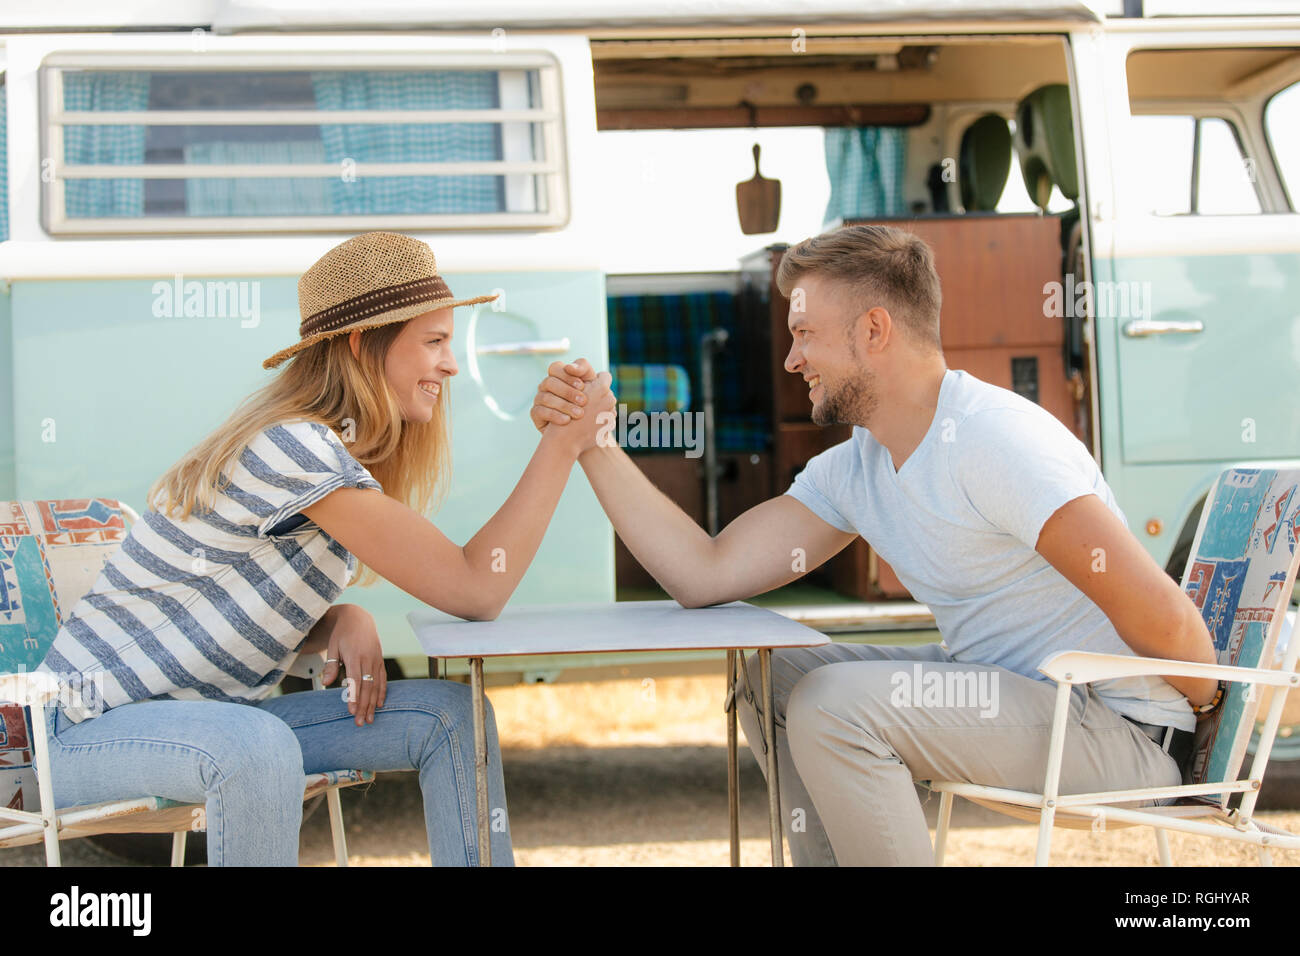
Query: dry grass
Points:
[648, 711]
[633, 773]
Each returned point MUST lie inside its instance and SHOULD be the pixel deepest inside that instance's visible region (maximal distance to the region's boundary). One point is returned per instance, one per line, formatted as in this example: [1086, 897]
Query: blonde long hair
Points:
[325, 383]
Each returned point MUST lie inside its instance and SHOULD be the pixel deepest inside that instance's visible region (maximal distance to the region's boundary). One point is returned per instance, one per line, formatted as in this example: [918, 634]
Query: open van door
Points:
[1196, 262]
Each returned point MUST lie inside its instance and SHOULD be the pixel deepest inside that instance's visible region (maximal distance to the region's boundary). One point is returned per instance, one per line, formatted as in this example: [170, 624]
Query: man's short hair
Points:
[876, 265]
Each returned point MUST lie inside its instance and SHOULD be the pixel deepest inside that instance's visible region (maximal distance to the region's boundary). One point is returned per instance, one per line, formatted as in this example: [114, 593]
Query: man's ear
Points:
[875, 328]
[354, 340]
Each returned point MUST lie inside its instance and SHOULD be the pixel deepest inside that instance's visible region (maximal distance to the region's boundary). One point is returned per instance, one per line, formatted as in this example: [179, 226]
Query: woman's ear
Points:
[354, 340]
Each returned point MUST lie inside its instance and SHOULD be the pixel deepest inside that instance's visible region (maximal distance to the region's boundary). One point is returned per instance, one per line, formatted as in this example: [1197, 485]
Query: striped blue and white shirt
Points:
[215, 607]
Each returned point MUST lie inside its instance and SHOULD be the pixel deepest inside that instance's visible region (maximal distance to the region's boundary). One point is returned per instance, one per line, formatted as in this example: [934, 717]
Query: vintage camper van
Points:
[1111, 192]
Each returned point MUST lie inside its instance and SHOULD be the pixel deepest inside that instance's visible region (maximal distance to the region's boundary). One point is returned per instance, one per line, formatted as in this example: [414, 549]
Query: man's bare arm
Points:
[1092, 548]
[769, 545]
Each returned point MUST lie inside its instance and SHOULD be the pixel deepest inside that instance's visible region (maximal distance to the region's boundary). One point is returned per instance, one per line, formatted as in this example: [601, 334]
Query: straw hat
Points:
[368, 281]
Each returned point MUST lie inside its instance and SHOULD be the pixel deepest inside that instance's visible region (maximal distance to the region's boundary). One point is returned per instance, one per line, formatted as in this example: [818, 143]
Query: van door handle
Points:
[1141, 328]
[538, 347]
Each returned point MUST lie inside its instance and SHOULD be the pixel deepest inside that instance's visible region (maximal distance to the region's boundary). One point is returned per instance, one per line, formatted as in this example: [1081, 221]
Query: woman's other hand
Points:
[354, 641]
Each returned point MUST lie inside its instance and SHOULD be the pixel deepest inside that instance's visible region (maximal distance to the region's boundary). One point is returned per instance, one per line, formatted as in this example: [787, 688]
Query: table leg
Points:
[733, 772]
[769, 721]
[480, 762]
[433, 668]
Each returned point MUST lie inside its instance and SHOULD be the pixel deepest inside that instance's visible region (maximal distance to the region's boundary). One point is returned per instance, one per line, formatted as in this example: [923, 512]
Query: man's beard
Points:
[851, 404]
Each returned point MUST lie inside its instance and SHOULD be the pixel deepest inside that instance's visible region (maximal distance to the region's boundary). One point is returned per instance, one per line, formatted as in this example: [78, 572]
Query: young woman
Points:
[248, 541]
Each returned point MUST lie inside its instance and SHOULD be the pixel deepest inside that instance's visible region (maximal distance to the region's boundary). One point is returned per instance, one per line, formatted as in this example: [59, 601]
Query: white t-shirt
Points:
[959, 521]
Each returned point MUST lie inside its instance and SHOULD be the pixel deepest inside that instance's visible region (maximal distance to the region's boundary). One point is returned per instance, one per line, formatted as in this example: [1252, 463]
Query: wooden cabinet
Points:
[992, 269]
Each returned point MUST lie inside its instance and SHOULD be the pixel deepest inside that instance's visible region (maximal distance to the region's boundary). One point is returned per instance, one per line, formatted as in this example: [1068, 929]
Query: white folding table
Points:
[631, 626]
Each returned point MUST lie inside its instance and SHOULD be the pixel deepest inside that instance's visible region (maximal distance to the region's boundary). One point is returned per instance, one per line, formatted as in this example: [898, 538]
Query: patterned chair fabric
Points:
[51, 552]
[1240, 577]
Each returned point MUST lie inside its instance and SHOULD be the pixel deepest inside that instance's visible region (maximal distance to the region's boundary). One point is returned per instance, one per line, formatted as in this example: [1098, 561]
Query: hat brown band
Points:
[373, 303]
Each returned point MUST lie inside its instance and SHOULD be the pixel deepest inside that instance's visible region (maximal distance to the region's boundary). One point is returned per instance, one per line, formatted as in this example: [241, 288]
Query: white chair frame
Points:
[1093, 809]
[143, 814]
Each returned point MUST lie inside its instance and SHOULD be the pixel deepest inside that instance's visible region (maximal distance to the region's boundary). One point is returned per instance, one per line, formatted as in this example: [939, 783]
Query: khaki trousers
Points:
[857, 724]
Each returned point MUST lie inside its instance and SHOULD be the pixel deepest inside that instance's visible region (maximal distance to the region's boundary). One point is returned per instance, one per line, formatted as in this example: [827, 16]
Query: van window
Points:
[1282, 126]
[474, 143]
[1192, 165]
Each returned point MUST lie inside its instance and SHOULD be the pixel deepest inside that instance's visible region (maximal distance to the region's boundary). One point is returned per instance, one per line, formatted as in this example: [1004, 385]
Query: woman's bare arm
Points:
[474, 581]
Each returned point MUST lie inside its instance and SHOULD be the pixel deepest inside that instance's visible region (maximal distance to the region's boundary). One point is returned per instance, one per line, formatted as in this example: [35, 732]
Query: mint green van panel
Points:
[1169, 493]
[1177, 410]
[1221, 394]
[123, 393]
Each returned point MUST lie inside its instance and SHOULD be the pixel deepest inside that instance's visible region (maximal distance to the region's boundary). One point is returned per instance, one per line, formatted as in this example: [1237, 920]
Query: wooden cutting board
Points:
[758, 201]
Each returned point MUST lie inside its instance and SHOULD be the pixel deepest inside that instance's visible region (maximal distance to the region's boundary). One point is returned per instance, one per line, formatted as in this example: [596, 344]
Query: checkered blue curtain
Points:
[302, 196]
[396, 142]
[866, 171]
[104, 145]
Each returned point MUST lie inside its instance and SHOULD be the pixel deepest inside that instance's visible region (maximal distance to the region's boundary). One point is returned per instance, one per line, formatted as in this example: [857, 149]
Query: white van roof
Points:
[588, 16]
[592, 17]
[596, 14]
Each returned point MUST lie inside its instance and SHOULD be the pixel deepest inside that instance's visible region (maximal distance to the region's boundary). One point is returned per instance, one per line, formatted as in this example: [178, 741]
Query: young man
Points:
[990, 512]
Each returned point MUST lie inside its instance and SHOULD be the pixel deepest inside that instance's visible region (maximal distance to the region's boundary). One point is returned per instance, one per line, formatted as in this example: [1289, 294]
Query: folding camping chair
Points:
[1240, 576]
[51, 553]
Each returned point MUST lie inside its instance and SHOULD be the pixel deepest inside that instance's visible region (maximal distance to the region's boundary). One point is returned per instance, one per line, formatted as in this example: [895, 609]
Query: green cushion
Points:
[985, 161]
[1045, 142]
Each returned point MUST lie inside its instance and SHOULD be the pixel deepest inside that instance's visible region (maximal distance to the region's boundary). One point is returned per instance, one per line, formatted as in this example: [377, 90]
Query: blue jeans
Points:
[246, 762]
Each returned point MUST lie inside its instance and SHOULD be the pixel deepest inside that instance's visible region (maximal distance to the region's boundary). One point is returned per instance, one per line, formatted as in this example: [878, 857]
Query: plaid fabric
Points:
[256, 197]
[652, 388]
[401, 142]
[102, 145]
[744, 433]
[666, 330]
[866, 171]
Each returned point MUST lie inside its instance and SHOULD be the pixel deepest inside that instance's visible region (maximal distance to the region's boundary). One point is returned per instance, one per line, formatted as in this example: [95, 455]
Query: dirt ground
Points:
[633, 773]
